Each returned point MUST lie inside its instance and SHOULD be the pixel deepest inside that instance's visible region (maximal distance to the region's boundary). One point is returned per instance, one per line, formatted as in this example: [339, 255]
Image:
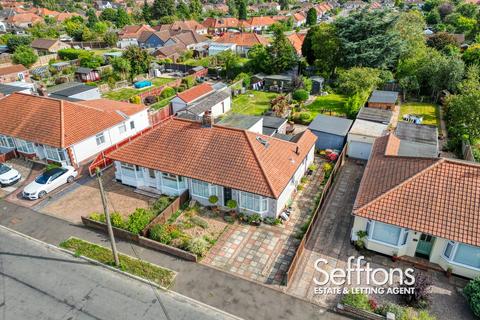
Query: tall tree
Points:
[163, 8]
[282, 54]
[183, 11]
[321, 48]
[232, 7]
[109, 14]
[91, 17]
[259, 59]
[242, 9]
[410, 28]
[121, 66]
[146, 12]
[311, 17]
[195, 7]
[139, 60]
[122, 18]
[284, 4]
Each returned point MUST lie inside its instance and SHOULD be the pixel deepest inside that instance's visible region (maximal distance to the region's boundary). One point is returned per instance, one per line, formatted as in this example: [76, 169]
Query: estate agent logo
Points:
[360, 277]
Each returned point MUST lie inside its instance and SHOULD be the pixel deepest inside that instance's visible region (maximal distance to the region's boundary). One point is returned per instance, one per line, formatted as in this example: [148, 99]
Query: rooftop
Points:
[329, 124]
[208, 102]
[241, 121]
[368, 128]
[375, 115]
[379, 96]
[196, 92]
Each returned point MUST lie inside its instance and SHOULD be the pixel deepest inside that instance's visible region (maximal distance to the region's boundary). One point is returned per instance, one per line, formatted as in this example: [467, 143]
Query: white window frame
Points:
[100, 139]
[25, 146]
[54, 154]
[6, 141]
[262, 201]
[122, 128]
[453, 253]
[212, 189]
[402, 239]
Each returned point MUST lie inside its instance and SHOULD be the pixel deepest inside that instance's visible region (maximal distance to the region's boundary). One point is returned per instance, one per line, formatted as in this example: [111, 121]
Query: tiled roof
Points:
[59, 123]
[220, 155]
[246, 39]
[43, 43]
[440, 197]
[189, 37]
[196, 92]
[221, 23]
[181, 25]
[134, 32]
[296, 40]
[24, 18]
[261, 21]
[12, 69]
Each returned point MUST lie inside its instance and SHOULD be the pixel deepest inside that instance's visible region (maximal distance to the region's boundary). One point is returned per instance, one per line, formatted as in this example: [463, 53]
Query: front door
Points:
[227, 195]
[425, 245]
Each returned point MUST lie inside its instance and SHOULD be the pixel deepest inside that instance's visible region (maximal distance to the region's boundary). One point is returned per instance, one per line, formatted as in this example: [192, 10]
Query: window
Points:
[169, 180]
[55, 154]
[100, 139]
[132, 125]
[122, 128]
[200, 189]
[25, 146]
[253, 202]
[463, 254]
[6, 141]
[387, 233]
[128, 170]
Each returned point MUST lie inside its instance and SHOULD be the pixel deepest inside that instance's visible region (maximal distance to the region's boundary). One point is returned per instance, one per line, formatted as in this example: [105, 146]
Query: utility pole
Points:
[107, 219]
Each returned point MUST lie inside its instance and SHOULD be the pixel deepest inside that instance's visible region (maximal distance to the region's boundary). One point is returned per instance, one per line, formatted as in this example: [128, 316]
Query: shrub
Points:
[245, 79]
[232, 204]
[160, 204]
[136, 100]
[189, 82]
[229, 219]
[472, 292]
[313, 167]
[70, 53]
[357, 300]
[138, 220]
[254, 218]
[160, 233]
[420, 297]
[117, 220]
[327, 167]
[271, 221]
[300, 95]
[100, 217]
[199, 222]
[167, 93]
[213, 199]
[198, 246]
[300, 187]
[397, 310]
[150, 100]
[302, 118]
[303, 179]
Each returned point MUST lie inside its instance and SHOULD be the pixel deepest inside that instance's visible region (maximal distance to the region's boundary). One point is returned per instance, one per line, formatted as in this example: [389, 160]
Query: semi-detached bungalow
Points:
[259, 172]
[66, 132]
[420, 207]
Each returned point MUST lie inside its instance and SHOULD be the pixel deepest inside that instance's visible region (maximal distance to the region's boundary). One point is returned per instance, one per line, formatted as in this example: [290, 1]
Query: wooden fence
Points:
[323, 197]
[168, 211]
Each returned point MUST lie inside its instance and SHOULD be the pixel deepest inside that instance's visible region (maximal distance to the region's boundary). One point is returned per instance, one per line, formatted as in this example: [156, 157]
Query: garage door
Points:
[359, 150]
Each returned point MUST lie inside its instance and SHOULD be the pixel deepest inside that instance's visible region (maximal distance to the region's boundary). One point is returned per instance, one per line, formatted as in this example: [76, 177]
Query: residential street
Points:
[239, 297]
[38, 282]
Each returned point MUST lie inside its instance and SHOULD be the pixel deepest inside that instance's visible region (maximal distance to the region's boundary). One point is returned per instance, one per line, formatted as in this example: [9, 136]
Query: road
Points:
[40, 282]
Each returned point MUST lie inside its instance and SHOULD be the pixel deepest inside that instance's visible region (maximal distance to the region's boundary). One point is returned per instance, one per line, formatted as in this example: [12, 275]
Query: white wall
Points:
[88, 148]
[178, 104]
[222, 107]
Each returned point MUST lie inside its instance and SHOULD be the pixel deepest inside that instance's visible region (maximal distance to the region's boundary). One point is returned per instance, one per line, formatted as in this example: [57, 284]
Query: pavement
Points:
[40, 282]
[234, 295]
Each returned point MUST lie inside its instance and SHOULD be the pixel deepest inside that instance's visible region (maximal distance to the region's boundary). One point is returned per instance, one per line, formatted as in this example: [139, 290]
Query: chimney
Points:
[207, 119]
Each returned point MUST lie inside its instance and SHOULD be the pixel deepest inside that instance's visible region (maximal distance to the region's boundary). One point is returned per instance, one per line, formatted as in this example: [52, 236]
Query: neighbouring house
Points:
[266, 125]
[259, 172]
[16, 72]
[296, 39]
[183, 25]
[219, 25]
[380, 99]
[299, 19]
[130, 35]
[417, 140]
[7, 89]
[260, 24]
[157, 39]
[361, 137]
[420, 207]
[215, 48]
[48, 46]
[243, 41]
[331, 131]
[83, 74]
[66, 132]
[376, 115]
[215, 104]
[189, 96]
[23, 20]
[171, 52]
[74, 91]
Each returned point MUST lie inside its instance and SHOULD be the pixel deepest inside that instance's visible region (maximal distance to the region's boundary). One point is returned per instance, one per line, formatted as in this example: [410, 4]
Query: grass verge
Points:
[142, 269]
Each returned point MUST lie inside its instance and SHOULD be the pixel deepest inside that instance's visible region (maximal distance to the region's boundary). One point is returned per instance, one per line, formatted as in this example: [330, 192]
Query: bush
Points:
[327, 167]
[213, 199]
[70, 53]
[271, 221]
[300, 95]
[229, 219]
[199, 222]
[160, 233]
[253, 218]
[160, 204]
[302, 118]
[472, 292]
[150, 100]
[420, 297]
[397, 310]
[99, 217]
[117, 220]
[232, 204]
[138, 220]
[136, 100]
[167, 93]
[313, 167]
[303, 179]
[245, 79]
[198, 246]
[357, 300]
[189, 82]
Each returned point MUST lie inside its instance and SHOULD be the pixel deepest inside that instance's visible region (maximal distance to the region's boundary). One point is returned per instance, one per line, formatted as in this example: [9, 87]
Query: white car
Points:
[49, 181]
[8, 175]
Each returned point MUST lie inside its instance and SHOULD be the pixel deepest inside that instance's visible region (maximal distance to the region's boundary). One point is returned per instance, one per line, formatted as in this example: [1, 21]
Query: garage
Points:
[361, 137]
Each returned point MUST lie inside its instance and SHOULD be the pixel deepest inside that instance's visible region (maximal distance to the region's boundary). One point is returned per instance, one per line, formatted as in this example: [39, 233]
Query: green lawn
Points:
[429, 111]
[143, 269]
[332, 104]
[127, 93]
[253, 102]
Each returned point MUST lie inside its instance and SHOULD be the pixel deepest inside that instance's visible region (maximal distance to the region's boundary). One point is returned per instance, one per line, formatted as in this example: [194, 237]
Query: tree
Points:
[91, 17]
[24, 55]
[368, 39]
[139, 60]
[441, 40]
[468, 10]
[111, 38]
[472, 54]
[242, 9]
[321, 48]
[445, 9]
[358, 80]
[284, 4]
[109, 14]
[163, 8]
[122, 18]
[146, 12]
[90, 60]
[121, 66]
[311, 17]
[41, 30]
[433, 17]
[410, 27]
[259, 59]
[15, 41]
[229, 60]
[472, 292]
[282, 54]
[183, 11]
[195, 7]
[232, 8]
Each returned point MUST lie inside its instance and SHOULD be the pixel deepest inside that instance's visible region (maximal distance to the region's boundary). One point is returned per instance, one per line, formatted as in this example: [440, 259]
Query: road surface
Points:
[38, 282]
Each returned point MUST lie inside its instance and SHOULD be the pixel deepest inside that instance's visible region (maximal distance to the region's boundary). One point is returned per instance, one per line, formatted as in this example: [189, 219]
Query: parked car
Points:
[49, 181]
[8, 175]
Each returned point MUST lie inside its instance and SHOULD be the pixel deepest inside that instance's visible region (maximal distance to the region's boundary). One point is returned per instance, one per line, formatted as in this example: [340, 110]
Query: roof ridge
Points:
[409, 179]
[62, 124]
[269, 183]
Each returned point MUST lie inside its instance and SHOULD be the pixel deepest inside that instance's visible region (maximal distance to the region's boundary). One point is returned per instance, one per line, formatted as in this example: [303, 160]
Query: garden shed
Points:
[331, 131]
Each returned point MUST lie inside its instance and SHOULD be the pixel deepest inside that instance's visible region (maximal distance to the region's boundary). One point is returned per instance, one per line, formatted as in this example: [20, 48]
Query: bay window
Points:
[173, 181]
[25, 146]
[253, 202]
[463, 254]
[55, 154]
[386, 233]
[203, 189]
[6, 141]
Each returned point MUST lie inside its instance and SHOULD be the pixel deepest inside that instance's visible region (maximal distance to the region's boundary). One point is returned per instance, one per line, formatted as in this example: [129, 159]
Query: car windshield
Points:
[43, 179]
[4, 169]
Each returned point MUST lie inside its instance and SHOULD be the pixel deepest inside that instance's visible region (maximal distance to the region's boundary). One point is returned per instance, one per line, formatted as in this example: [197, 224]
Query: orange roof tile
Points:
[247, 39]
[59, 123]
[440, 197]
[196, 92]
[261, 21]
[220, 155]
[297, 41]
[12, 69]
